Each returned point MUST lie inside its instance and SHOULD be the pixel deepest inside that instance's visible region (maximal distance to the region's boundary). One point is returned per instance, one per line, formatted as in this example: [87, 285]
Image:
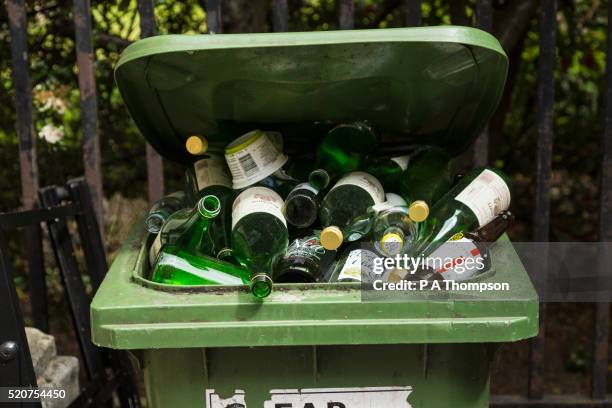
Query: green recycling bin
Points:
[312, 345]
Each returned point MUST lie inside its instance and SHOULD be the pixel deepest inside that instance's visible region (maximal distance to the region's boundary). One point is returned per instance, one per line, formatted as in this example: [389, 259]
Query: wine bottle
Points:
[259, 235]
[177, 265]
[304, 261]
[302, 203]
[210, 176]
[190, 228]
[471, 204]
[388, 171]
[356, 264]
[427, 178]
[343, 148]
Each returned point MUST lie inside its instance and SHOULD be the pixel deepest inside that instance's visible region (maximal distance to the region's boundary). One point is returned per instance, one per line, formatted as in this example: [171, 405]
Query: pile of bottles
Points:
[252, 215]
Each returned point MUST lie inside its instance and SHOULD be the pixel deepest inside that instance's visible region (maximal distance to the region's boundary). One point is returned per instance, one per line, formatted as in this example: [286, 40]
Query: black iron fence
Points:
[346, 20]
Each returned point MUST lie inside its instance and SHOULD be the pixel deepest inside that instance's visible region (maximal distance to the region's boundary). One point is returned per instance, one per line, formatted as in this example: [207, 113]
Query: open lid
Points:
[434, 85]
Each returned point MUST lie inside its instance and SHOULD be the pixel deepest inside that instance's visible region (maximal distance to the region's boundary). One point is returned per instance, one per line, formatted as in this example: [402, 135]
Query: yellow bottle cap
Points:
[331, 238]
[391, 243]
[196, 144]
[418, 211]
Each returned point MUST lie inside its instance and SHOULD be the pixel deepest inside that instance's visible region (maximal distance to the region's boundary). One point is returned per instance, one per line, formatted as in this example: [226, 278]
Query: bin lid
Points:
[435, 85]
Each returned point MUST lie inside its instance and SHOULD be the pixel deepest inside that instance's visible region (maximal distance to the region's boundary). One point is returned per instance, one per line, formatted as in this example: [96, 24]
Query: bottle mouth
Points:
[209, 206]
[319, 178]
[331, 238]
[261, 285]
[154, 223]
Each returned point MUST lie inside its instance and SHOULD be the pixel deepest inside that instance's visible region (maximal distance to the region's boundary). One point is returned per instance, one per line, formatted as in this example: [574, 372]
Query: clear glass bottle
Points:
[259, 235]
[356, 264]
[162, 209]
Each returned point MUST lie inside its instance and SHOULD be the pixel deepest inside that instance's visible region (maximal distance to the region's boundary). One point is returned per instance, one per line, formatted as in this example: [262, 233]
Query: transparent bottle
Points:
[162, 209]
[210, 176]
[343, 148]
[190, 228]
[393, 230]
[472, 203]
[177, 265]
[427, 178]
[259, 235]
[302, 203]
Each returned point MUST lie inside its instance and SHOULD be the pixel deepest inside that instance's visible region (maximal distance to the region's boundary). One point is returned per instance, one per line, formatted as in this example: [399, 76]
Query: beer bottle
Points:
[162, 209]
[427, 178]
[259, 235]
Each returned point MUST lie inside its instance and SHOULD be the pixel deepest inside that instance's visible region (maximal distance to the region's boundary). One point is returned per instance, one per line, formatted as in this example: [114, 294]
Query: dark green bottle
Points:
[162, 209]
[190, 228]
[471, 204]
[177, 265]
[259, 235]
[302, 203]
[210, 176]
[343, 148]
[304, 261]
[427, 178]
[388, 171]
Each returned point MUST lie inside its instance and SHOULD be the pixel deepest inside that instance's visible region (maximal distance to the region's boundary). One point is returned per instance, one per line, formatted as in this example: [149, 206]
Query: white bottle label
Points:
[307, 186]
[359, 263]
[487, 195]
[402, 161]
[255, 161]
[457, 260]
[257, 199]
[365, 181]
[212, 171]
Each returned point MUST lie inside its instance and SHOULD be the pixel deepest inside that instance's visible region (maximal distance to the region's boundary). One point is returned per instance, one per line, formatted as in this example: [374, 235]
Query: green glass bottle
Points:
[177, 265]
[190, 228]
[388, 171]
[305, 260]
[162, 209]
[210, 176]
[349, 199]
[472, 203]
[427, 178]
[259, 235]
[343, 148]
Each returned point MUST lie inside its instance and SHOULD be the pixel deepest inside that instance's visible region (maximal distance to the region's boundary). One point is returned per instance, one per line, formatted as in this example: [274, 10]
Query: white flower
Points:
[51, 133]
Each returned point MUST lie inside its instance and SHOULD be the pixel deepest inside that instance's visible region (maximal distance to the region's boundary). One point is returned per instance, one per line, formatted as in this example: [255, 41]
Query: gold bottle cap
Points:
[331, 238]
[418, 211]
[196, 144]
[391, 243]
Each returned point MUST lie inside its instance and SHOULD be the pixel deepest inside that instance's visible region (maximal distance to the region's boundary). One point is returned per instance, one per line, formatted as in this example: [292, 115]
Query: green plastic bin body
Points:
[311, 345]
